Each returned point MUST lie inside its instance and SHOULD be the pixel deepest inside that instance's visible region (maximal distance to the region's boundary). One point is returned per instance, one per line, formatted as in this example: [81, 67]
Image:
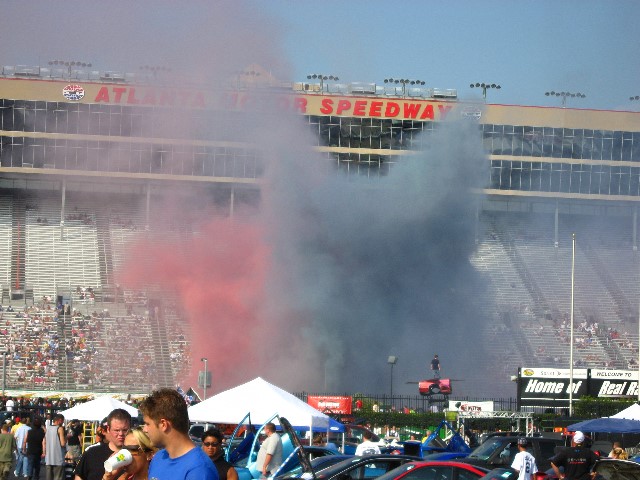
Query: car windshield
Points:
[317, 464]
[501, 474]
[396, 472]
[610, 469]
[484, 451]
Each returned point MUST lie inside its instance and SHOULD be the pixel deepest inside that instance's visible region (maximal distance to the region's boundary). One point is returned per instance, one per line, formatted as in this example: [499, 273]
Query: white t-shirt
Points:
[9, 405]
[367, 448]
[525, 464]
[271, 445]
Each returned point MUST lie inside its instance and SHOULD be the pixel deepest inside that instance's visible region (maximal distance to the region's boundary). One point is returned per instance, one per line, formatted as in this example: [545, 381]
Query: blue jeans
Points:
[21, 464]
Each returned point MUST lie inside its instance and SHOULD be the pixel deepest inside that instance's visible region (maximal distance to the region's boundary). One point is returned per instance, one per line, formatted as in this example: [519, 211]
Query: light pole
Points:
[4, 371]
[392, 361]
[564, 96]
[573, 282]
[69, 65]
[404, 82]
[638, 351]
[322, 78]
[154, 69]
[249, 78]
[485, 87]
[204, 379]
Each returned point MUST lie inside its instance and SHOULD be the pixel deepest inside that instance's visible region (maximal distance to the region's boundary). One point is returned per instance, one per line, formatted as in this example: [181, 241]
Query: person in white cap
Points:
[524, 463]
[576, 460]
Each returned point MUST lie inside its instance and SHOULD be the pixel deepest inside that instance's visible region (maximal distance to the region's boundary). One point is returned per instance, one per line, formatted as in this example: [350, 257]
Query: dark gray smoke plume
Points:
[382, 268]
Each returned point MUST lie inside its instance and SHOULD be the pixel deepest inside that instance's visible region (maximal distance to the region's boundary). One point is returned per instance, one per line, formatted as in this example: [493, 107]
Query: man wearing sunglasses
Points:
[91, 464]
[213, 447]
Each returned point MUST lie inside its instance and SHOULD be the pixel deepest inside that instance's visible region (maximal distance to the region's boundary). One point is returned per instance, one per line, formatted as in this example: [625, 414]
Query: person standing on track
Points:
[435, 366]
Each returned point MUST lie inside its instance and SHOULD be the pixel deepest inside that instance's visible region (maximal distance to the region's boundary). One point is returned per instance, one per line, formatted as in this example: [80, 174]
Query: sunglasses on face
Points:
[211, 444]
[133, 448]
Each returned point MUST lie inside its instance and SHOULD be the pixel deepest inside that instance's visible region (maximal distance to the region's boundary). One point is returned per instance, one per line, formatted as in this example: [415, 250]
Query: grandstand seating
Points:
[57, 257]
[5, 238]
[527, 298]
[530, 281]
[84, 349]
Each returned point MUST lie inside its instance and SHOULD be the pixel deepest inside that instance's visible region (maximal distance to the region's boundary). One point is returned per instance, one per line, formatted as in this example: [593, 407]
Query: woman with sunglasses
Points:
[214, 448]
[142, 451]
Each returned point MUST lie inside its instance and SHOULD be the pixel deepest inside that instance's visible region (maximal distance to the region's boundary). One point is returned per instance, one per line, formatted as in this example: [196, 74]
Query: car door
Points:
[240, 450]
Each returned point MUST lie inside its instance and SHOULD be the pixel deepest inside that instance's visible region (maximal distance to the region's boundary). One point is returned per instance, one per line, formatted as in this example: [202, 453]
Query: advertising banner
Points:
[471, 407]
[549, 386]
[613, 383]
[330, 404]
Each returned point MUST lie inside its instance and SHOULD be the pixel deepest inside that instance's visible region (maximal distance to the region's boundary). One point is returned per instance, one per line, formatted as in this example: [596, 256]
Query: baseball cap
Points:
[523, 441]
[578, 437]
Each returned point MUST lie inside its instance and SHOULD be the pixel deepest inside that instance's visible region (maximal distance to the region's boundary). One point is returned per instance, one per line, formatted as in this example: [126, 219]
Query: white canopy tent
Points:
[96, 410]
[262, 400]
[630, 413]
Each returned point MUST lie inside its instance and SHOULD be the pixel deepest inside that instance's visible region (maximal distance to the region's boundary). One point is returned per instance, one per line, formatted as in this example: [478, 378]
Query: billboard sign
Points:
[613, 383]
[330, 404]
[550, 386]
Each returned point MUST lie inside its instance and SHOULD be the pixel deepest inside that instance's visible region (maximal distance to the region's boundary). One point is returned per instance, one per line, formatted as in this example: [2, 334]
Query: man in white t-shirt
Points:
[524, 463]
[270, 453]
[367, 447]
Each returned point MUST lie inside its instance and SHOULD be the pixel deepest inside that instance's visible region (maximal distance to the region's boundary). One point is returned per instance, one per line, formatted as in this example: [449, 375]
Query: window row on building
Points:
[118, 120]
[333, 131]
[129, 157]
[565, 178]
[562, 143]
[498, 139]
[353, 132]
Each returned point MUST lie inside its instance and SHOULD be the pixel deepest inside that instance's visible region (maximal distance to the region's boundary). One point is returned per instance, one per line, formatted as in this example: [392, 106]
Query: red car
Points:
[435, 470]
[435, 386]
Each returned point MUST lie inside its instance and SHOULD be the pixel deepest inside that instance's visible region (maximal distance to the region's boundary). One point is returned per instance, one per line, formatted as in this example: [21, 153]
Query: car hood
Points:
[611, 469]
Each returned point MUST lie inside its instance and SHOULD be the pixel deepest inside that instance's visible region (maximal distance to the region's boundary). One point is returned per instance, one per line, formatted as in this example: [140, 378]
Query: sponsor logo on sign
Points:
[528, 372]
[73, 92]
[471, 112]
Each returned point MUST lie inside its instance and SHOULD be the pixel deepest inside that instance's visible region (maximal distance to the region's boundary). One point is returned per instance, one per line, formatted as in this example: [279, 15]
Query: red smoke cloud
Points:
[219, 279]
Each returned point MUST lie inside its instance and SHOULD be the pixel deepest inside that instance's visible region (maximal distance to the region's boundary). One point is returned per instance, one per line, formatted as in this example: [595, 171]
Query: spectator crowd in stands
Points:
[58, 347]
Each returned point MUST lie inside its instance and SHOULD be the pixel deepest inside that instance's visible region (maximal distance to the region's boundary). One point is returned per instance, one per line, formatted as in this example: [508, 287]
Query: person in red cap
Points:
[16, 425]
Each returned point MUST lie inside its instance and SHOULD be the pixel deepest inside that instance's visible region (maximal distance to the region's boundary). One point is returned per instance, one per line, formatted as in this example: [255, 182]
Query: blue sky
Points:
[528, 47]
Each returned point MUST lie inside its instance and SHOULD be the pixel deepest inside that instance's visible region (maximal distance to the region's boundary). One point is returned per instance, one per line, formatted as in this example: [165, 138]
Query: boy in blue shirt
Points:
[166, 422]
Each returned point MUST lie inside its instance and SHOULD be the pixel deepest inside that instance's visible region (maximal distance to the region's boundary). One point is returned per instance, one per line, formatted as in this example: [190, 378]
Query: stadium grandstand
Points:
[85, 153]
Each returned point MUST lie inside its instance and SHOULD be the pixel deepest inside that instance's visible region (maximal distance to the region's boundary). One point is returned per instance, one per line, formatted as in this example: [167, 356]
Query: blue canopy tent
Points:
[607, 425]
[334, 426]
